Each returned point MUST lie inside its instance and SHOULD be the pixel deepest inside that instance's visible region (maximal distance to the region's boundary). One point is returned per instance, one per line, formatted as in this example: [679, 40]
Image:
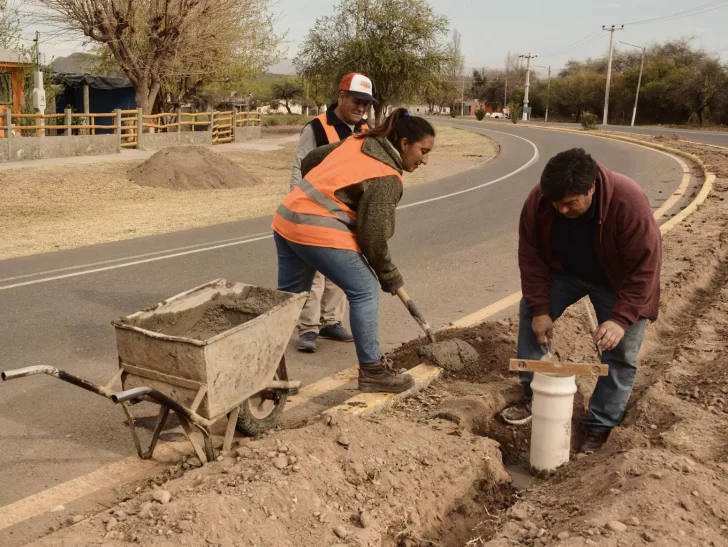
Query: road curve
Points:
[455, 245]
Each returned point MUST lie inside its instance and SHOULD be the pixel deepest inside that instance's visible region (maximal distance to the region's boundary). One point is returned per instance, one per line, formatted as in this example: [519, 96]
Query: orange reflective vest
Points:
[330, 130]
[313, 215]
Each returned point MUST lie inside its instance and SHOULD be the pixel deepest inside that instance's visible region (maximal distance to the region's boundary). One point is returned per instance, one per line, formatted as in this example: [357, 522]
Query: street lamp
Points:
[639, 80]
[548, 91]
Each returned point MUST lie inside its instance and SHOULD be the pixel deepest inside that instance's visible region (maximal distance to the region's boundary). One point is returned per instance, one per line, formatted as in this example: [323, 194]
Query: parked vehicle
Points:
[498, 115]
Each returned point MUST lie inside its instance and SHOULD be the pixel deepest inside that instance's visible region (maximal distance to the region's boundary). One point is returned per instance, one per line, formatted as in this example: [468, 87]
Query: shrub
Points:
[589, 120]
[516, 113]
[453, 114]
[480, 114]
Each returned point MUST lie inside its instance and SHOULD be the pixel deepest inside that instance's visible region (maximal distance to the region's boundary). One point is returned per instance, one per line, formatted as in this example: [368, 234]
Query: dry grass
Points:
[62, 207]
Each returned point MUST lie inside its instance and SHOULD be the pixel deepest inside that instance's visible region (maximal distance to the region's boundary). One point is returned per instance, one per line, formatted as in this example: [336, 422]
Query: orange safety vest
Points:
[313, 215]
[330, 130]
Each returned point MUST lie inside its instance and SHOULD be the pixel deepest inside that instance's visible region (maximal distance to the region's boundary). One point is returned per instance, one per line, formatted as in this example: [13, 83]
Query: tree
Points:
[396, 43]
[287, 90]
[10, 26]
[175, 46]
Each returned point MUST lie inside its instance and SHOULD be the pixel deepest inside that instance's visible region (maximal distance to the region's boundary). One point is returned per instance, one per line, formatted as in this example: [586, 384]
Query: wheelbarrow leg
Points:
[230, 431]
[209, 452]
[188, 431]
[161, 420]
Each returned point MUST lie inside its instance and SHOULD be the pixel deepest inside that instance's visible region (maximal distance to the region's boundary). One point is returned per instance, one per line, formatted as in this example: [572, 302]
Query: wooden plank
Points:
[528, 365]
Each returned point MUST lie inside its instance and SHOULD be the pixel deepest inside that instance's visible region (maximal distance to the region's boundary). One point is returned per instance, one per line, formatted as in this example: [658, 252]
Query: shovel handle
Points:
[415, 312]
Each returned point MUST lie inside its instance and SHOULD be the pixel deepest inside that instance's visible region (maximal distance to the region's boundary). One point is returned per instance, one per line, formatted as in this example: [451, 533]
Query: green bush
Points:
[453, 114]
[516, 113]
[480, 114]
[271, 120]
[589, 120]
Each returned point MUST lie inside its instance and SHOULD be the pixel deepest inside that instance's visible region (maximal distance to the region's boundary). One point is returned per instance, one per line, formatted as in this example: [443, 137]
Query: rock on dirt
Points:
[162, 496]
[341, 532]
[616, 526]
[452, 355]
[191, 168]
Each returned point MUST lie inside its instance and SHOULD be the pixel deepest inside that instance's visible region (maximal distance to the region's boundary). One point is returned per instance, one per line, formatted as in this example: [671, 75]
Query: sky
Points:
[555, 30]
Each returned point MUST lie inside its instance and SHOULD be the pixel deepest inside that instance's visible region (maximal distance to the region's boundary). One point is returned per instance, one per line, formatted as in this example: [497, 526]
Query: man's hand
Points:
[608, 335]
[543, 328]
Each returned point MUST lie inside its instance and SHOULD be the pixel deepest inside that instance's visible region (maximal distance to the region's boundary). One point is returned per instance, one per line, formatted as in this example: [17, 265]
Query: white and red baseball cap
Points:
[358, 85]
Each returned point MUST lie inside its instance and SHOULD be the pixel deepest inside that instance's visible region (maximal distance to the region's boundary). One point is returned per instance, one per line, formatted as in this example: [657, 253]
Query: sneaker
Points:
[518, 414]
[336, 331]
[593, 441]
[307, 342]
[382, 378]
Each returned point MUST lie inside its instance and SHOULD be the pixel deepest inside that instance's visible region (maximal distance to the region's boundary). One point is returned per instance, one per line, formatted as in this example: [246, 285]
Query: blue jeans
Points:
[609, 400]
[297, 265]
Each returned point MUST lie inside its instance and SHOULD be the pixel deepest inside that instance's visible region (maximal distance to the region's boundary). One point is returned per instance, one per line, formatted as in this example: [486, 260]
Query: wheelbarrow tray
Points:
[224, 369]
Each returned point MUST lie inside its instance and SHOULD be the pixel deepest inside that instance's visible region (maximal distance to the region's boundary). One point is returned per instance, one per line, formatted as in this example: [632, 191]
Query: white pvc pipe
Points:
[553, 405]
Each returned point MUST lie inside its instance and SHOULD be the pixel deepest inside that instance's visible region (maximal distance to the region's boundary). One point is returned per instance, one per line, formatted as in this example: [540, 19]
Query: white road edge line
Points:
[213, 247]
[132, 257]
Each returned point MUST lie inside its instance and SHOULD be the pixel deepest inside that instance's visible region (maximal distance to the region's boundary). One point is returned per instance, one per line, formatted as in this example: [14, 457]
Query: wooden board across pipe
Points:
[588, 369]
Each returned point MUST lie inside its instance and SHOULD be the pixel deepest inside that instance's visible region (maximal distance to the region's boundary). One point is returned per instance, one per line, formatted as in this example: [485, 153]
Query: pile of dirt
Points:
[191, 168]
[342, 480]
[216, 316]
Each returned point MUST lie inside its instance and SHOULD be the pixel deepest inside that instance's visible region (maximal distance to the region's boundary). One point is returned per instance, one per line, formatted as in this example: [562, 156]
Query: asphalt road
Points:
[457, 254]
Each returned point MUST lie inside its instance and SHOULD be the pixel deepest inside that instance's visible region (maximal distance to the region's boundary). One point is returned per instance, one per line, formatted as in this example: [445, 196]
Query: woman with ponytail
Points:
[338, 222]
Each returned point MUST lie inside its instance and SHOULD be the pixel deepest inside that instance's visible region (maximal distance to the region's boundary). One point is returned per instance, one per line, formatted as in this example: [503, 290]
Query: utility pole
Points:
[528, 83]
[609, 69]
[548, 91]
[505, 91]
[39, 98]
[639, 80]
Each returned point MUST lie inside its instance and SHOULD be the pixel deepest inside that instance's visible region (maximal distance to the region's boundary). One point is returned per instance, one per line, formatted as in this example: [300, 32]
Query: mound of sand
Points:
[191, 168]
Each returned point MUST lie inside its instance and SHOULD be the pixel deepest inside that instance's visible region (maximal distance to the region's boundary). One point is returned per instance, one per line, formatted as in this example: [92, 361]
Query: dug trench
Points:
[432, 470]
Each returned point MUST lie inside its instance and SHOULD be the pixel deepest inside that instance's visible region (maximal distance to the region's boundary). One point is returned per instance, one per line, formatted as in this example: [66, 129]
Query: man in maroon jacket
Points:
[588, 231]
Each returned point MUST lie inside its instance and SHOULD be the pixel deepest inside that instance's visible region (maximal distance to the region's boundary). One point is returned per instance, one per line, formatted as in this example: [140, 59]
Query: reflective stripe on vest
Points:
[330, 130]
[313, 215]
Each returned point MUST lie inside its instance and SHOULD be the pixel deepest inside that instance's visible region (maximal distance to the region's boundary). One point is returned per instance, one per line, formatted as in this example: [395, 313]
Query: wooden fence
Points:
[126, 123]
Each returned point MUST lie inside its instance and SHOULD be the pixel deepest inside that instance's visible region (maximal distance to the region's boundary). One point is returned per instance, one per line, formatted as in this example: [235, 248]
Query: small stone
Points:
[296, 467]
[162, 496]
[656, 475]
[687, 505]
[544, 540]
[616, 526]
[113, 523]
[633, 521]
[120, 515]
[366, 520]
[280, 462]
[244, 452]
[343, 440]
[563, 535]
[317, 514]
[649, 537]
[341, 532]
[194, 461]
[292, 460]
[653, 427]
[518, 513]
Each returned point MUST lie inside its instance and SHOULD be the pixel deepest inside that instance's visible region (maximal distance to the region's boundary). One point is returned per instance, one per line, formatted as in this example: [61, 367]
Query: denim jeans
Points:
[297, 265]
[609, 400]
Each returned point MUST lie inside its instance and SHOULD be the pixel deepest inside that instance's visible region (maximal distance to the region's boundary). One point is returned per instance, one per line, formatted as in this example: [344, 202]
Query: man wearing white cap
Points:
[324, 311]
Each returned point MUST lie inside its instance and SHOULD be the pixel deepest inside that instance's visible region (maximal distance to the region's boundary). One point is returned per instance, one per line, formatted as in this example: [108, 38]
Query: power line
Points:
[703, 8]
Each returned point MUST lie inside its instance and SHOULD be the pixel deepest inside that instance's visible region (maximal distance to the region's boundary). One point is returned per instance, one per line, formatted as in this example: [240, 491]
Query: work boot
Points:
[336, 331]
[382, 378]
[594, 440]
[307, 342]
[518, 414]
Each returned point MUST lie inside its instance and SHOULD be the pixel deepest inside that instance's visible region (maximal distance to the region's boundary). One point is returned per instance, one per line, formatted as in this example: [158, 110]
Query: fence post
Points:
[178, 112]
[69, 122]
[118, 128]
[212, 125]
[8, 122]
[235, 124]
[140, 128]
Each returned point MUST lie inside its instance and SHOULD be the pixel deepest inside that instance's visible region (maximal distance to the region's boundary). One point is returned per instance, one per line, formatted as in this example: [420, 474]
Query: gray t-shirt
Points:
[306, 143]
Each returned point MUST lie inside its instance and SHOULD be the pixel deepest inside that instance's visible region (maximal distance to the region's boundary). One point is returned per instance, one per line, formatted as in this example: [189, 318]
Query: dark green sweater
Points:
[374, 201]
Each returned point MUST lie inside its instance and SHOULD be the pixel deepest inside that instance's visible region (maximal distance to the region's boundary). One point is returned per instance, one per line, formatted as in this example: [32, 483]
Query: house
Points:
[13, 72]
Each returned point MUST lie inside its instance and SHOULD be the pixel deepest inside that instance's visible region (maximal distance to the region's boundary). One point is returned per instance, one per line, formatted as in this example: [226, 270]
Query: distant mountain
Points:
[284, 67]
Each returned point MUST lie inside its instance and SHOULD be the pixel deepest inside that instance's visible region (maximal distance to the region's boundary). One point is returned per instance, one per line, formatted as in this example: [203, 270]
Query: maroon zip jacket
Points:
[627, 240]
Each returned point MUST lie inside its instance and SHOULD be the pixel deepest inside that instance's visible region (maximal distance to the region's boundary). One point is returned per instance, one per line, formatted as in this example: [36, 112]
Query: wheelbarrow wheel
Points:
[261, 412]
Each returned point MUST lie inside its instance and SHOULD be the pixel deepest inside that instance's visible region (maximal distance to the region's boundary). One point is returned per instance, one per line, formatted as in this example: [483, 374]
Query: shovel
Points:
[415, 312]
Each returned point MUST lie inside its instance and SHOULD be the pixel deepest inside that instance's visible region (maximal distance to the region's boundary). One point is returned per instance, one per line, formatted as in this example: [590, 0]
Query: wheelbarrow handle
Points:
[29, 371]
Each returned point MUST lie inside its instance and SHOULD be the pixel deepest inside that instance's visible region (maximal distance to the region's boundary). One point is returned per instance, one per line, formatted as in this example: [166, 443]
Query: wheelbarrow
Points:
[213, 352]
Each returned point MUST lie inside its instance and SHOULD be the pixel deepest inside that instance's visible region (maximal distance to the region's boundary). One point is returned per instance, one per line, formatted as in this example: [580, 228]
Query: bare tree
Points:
[173, 44]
